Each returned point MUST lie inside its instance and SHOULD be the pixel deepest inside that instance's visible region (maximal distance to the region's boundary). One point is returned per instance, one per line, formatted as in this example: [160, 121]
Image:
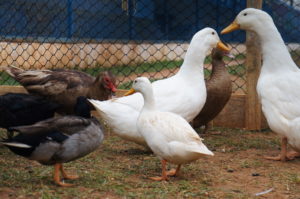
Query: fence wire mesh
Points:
[128, 37]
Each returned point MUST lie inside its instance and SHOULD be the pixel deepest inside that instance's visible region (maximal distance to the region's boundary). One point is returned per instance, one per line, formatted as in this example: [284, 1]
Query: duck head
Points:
[104, 86]
[108, 81]
[140, 84]
[249, 19]
[208, 37]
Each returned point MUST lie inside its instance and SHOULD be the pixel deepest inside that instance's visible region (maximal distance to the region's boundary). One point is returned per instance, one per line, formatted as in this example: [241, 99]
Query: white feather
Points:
[16, 144]
[183, 93]
[279, 81]
[168, 135]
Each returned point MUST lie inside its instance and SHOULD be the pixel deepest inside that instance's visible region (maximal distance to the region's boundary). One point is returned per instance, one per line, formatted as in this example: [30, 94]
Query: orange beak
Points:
[232, 27]
[130, 92]
[222, 46]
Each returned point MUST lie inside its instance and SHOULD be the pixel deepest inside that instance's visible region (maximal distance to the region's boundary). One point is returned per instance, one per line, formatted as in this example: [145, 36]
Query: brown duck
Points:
[64, 86]
[219, 90]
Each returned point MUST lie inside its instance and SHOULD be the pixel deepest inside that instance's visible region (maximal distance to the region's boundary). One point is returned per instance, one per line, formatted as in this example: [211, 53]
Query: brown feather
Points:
[62, 86]
[65, 124]
[219, 89]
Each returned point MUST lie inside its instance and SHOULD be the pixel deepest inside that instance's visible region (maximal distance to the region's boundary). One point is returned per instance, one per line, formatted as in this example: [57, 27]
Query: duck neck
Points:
[276, 57]
[193, 61]
[149, 103]
[218, 67]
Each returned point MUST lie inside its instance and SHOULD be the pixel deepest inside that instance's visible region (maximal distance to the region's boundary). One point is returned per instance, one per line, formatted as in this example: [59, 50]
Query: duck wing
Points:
[67, 125]
[281, 93]
[23, 109]
[171, 126]
[50, 82]
[177, 96]
[172, 130]
[19, 102]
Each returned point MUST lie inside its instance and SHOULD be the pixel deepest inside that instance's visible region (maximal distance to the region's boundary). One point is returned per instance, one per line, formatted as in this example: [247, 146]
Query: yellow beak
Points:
[232, 27]
[130, 92]
[222, 46]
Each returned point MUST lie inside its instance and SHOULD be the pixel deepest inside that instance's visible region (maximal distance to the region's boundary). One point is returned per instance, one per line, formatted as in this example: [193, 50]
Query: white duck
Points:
[168, 135]
[183, 93]
[279, 81]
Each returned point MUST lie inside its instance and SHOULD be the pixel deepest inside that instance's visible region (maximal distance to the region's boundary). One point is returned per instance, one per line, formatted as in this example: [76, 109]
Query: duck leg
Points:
[174, 172]
[66, 176]
[57, 180]
[163, 173]
[283, 153]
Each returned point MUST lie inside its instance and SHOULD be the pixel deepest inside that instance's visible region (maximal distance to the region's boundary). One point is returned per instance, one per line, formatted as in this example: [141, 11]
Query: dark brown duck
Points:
[64, 86]
[219, 90]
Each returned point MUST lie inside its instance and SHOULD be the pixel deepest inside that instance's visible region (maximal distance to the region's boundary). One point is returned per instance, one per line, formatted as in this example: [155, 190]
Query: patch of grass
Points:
[127, 84]
[294, 177]
[237, 70]
[5, 79]
[232, 140]
[122, 70]
[240, 56]
[295, 55]
[126, 70]
[245, 164]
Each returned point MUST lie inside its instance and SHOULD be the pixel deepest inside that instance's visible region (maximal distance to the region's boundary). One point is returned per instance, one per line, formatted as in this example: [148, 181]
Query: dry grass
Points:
[119, 169]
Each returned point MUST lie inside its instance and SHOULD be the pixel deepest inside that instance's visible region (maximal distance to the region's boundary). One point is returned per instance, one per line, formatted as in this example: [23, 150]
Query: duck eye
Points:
[245, 14]
[135, 81]
[213, 33]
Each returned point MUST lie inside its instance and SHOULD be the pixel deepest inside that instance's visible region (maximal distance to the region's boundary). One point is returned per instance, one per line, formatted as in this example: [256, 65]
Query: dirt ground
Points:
[120, 169]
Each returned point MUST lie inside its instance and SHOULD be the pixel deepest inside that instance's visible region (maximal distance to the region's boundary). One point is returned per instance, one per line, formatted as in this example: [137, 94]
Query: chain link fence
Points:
[128, 37]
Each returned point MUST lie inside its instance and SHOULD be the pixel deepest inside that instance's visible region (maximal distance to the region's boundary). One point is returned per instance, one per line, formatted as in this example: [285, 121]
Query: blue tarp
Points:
[152, 20]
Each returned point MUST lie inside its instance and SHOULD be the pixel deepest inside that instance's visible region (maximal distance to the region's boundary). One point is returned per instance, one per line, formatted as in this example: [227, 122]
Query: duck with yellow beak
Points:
[279, 80]
[183, 93]
[170, 137]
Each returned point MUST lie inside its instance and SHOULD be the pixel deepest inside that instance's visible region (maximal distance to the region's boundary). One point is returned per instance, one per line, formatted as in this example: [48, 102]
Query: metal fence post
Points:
[253, 114]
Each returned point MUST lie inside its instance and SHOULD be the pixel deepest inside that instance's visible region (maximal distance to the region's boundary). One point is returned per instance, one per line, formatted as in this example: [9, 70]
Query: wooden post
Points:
[253, 114]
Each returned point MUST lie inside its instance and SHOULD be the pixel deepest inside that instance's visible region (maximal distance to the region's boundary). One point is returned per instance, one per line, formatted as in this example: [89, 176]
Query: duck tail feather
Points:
[201, 149]
[15, 144]
[12, 70]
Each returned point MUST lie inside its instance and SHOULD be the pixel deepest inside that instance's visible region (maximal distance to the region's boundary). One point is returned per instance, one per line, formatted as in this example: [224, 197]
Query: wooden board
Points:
[12, 89]
[253, 112]
[234, 114]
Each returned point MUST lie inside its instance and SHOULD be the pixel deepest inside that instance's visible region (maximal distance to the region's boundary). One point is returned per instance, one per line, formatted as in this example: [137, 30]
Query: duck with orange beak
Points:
[183, 94]
[279, 80]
